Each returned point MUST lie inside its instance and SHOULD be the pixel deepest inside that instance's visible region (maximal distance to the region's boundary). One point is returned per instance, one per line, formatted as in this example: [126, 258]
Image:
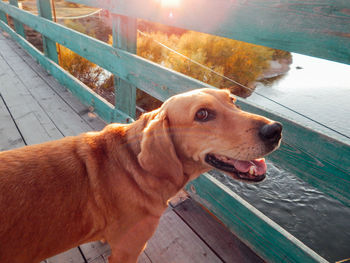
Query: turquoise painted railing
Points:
[318, 27]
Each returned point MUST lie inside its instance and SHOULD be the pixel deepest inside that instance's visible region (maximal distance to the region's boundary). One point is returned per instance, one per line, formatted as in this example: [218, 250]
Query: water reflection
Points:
[317, 88]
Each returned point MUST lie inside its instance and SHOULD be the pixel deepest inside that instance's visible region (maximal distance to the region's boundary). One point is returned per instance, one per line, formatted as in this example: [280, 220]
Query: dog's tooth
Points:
[252, 170]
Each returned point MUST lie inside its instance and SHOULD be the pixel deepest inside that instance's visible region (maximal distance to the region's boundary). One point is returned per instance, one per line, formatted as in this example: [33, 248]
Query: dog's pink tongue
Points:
[258, 164]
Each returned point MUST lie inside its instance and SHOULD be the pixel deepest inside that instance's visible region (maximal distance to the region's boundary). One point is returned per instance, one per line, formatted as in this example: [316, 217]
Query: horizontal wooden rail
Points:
[148, 76]
[320, 160]
[319, 28]
[262, 234]
[103, 108]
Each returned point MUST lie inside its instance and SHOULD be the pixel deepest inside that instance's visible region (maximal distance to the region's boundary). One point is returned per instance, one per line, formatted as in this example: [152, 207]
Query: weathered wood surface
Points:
[10, 137]
[226, 245]
[18, 26]
[319, 28]
[60, 117]
[173, 242]
[3, 16]
[31, 119]
[125, 37]
[104, 109]
[148, 76]
[70, 256]
[50, 49]
[268, 239]
[26, 88]
[84, 112]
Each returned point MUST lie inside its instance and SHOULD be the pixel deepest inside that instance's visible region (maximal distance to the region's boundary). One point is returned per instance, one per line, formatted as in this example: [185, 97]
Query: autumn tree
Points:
[87, 72]
[236, 60]
[81, 68]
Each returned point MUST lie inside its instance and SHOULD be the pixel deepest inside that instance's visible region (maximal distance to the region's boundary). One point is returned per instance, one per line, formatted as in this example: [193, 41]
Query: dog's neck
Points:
[156, 186]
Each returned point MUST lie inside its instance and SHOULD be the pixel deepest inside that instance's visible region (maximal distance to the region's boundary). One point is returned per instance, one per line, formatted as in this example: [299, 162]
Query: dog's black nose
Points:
[271, 132]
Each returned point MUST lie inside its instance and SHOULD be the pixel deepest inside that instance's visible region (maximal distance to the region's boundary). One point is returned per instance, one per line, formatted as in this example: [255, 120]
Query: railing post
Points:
[125, 37]
[50, 49]
[18, 25]
[3, 17]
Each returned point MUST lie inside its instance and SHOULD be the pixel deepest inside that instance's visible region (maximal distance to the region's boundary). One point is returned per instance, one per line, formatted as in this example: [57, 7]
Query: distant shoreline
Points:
[277, 68]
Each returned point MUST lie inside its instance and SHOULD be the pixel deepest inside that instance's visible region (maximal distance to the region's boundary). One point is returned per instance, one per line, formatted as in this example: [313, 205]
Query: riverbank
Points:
[277, 68]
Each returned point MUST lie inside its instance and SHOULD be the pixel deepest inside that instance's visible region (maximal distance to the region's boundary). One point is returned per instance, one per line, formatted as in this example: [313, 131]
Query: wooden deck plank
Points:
[143, 258]
[10, 137]
[98, 252]
[179, 243]
[95, 251]
[104, 259]
[66, 120]
[83, 111]
[31, 119]
[174, 242]
[215, 235]
[70, 256]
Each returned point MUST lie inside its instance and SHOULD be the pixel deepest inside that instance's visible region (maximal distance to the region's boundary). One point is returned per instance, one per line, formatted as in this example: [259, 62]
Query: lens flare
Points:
[170, 3]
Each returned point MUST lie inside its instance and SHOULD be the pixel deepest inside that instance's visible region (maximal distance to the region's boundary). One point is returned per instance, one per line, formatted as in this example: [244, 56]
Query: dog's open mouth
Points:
[253, 171]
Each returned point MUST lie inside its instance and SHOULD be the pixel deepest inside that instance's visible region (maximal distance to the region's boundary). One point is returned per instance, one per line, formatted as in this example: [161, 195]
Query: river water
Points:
[319, 89]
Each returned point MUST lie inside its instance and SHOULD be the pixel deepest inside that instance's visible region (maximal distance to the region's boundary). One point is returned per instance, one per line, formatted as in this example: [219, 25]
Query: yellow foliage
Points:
[236, 60]
[81, 68]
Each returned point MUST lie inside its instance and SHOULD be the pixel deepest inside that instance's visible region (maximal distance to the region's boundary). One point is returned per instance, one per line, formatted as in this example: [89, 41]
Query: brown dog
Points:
[115, 184]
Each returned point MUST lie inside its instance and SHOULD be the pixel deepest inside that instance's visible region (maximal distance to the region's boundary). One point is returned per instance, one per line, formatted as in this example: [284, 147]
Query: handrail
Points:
[320, 160]
[314, 28]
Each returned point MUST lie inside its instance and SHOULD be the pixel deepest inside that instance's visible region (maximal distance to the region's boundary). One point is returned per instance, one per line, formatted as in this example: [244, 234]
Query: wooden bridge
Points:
[41, 102]
[39, 109]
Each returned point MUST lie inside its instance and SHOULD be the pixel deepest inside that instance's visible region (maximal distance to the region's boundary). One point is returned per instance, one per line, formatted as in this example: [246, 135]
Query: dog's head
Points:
[204, 129]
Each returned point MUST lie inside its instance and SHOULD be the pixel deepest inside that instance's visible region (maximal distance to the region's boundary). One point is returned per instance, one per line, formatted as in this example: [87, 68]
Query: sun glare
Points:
[170, 3]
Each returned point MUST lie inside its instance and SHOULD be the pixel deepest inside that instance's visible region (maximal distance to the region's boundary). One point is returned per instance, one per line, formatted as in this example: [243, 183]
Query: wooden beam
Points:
[18, 26]
[215, 234]
[50, 49]
[317, 28]
[264, 236]
[148, 76]
[104, 109]
[3, 16]
[124, 37]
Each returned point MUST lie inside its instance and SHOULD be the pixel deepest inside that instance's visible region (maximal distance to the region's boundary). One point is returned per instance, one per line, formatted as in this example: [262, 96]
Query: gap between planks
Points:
[74, 117]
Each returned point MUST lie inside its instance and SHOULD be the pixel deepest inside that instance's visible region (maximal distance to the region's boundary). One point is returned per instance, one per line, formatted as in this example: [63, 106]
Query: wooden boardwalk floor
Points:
[34, 108]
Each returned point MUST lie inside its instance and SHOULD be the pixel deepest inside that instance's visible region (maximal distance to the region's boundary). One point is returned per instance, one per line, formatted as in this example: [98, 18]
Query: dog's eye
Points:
[204, 115]
[233, 99]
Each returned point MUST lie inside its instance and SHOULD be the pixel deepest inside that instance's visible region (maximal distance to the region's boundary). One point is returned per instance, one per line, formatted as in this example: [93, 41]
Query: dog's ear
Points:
[158, 155]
